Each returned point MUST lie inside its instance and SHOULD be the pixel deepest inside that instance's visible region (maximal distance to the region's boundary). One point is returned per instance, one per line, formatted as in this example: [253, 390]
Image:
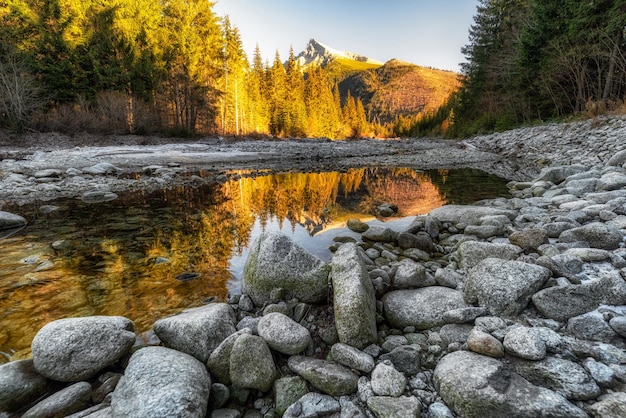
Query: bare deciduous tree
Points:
[19, 94]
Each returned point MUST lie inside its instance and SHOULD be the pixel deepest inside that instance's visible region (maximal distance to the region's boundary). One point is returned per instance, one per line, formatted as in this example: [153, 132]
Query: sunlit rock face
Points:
[275, 261]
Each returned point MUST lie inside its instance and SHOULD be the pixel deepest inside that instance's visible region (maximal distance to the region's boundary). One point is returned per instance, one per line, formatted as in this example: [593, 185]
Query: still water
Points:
[128, 256]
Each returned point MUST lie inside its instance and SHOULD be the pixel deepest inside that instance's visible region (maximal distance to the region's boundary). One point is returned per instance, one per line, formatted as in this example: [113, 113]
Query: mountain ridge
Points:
[318, 53]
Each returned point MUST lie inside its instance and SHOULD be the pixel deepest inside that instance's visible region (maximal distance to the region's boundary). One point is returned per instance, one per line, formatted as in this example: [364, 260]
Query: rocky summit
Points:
[510, 307]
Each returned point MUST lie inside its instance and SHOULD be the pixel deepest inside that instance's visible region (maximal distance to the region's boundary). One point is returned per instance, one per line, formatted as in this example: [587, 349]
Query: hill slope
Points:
[399, 89]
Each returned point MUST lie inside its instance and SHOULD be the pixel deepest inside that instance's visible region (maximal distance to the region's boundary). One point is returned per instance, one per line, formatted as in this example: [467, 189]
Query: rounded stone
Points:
[283, 334]
[524, 343]
[74, 349]
[387, 381]
[20, 384]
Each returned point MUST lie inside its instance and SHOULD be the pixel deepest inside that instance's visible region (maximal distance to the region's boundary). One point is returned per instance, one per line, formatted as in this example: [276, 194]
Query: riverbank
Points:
[507, 307]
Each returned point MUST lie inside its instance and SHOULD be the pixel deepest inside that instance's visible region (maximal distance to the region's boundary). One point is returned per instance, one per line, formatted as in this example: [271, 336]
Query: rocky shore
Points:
[510, 307]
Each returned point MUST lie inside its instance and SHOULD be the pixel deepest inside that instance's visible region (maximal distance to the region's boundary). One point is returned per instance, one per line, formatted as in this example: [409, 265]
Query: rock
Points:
[219, 360]
[350, 409]
[611, 181]
[485, 231]
[387, 381]
[48, 173]
[379, 234]
[590, 326]
[560, 375]
[612, 405]
[596, 235]
[463, 315]
[471, 253]
[618, 324]
[219, 396]
[421, 241]
[283, 334]
[356, 225]
[20, 384]
[600, 372]
[557, 174]
[524, 342]
[197, 331]
[313, 405]
[529, 239]
[352, 357]
[10, 221]
[74, 349]
[483, 343]
[251, 364]
[387, 209]
[405, 359]
[102, 169]
[354, 300]
[161, 382]
[478, 386]
[327, 376]
[455, 333]
[439, 410]
[287, 391]
[467, 214]
[421, 308]
[65, 402]
[98, 196]
[409, 275]
[390, 407]
[505, 287]
[448, 278]
[275, 261]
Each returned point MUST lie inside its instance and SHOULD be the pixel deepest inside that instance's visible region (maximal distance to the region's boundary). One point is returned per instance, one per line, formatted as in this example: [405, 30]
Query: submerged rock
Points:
[10, 221]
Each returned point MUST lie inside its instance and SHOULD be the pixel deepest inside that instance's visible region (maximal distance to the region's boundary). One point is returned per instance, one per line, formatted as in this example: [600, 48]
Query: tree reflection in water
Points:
[123, 257]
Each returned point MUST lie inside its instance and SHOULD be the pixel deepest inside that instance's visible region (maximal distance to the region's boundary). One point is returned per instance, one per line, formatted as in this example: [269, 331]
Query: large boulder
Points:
[283, 334]
[470, 253]
[354, 299]
[611, 181]
[10, 220]
[251, 364]
[65, 402]
[421, 308]
[219, 360]
[469, 215]
[20, 384]
[161, 382]
[505, 287]
[557, 174]
[275, 261]
[74, 349]
[197, 331]
[478, 386]
[329, 377]
[596, 235]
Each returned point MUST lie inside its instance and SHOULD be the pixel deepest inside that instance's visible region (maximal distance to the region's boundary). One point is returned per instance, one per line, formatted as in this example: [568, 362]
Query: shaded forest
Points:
[535, 60]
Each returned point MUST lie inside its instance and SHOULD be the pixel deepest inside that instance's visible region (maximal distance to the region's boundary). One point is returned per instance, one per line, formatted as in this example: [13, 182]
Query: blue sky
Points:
[424, 32]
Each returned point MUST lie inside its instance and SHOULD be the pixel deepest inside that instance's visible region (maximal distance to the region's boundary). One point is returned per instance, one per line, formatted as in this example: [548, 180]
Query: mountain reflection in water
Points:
[124, 257]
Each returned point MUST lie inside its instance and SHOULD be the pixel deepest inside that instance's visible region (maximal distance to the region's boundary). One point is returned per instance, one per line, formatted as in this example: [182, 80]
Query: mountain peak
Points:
[316, 52]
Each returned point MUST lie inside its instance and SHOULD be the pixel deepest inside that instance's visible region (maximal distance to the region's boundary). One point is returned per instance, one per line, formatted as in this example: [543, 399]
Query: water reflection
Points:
[124, 257]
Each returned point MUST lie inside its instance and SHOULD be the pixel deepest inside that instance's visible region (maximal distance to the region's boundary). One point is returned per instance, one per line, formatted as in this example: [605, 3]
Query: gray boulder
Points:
[275, 261]
[197, 331]
[10, 220]
[557, 174]
[470, 253]
[560, 375]
[20, 384]
[611, 181]
[74, 349]
[283, 334]
[356, 225]
[596, 235]
[161, 382]
[469, 215]
[352, 357]
[391, 407]
[102, 169]
[409, 275]
[618, 159]
[313, 405]
[529, 239]
[421, 308]
[387, 381]
[251, 364]
[219, 360]
[484, 343]
[618, 324]
[65, 402]
[591, 326]
[329, 377]
[505, 287]
[524, 342]
[405, 358]
[485, 231]
[612, 405]
[287, 391]
[379, 234]
[354, 299]
[481, 387]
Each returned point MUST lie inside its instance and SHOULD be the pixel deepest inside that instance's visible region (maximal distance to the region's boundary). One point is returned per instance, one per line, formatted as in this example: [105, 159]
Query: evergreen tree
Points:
[276, 94]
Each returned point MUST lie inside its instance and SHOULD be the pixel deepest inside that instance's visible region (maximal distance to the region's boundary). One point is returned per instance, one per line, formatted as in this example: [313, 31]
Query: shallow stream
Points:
[149, 255]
